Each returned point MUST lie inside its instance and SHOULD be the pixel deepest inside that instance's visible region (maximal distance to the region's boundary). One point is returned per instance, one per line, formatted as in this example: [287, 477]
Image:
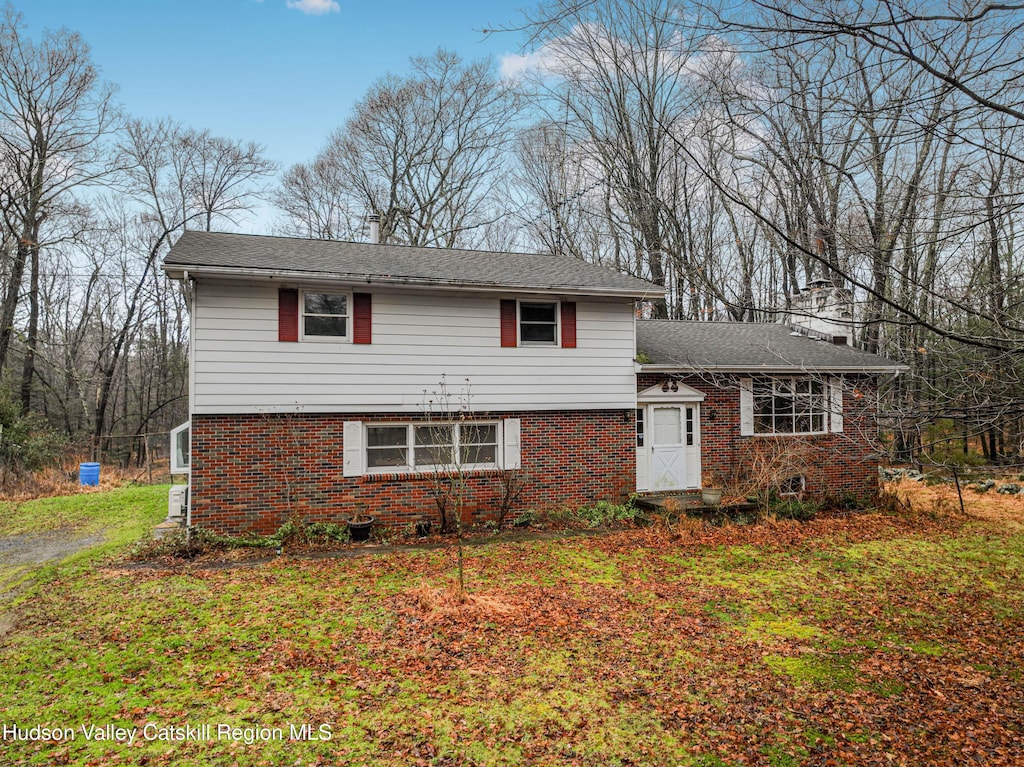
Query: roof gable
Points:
[670, 391]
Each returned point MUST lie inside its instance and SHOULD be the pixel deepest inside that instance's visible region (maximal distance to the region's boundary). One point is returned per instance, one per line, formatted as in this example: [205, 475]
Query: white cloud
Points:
[514, 66]
[589, 50]
[315, 7]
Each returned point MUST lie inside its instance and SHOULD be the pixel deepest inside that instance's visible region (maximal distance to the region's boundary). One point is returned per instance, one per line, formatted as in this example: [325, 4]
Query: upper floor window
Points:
[538, 323]
[325, 315]
[790, 405]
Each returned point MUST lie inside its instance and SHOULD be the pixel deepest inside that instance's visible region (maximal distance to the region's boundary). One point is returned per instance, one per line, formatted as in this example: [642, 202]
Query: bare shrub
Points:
[767, 466]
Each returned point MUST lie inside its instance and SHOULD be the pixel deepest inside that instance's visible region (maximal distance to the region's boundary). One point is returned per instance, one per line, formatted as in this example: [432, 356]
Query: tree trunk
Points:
[10, 299]
[28, 366]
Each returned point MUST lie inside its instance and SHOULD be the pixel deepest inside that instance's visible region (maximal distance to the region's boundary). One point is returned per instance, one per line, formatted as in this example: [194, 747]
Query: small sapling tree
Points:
[449, 442]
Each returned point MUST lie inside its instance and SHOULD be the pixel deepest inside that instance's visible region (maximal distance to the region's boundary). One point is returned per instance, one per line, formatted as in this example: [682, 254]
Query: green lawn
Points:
[128, 511]
[867, 640]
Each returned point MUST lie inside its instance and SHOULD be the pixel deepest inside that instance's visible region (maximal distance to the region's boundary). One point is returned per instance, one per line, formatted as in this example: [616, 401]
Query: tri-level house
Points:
[326, 378]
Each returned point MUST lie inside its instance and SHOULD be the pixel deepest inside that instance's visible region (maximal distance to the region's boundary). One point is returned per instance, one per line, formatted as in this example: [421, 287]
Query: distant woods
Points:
[93, 338]
[731, 152]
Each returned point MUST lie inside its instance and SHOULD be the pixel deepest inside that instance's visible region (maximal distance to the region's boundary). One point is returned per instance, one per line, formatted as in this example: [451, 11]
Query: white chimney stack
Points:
[374, 229]
[821, 310]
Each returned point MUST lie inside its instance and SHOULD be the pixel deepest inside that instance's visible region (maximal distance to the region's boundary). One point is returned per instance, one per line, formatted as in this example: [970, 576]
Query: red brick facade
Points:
[250, 472]
[832, 464]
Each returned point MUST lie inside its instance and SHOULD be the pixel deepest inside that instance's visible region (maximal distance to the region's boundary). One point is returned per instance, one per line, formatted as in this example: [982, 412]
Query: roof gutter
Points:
[766, 370]
[178, 271]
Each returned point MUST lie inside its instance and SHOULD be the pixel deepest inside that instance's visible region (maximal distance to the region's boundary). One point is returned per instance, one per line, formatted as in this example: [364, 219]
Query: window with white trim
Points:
[794, 485]
[181, 453]
[431, 446]
[538, 322]
[325, 315]
[790, 405]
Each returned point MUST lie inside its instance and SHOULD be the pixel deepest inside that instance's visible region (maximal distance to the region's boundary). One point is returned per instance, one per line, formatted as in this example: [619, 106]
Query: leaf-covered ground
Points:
[859, 640]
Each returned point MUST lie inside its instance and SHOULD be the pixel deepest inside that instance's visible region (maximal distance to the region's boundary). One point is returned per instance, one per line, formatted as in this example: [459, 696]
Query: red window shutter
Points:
[362, 318]
[509, 336]
[569, 324]
[287, 314]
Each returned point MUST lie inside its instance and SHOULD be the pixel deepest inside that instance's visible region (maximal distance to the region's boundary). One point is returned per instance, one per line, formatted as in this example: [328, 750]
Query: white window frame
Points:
[800, 479]
[349, 319]
[558, 322]
[178, 466]
[822, 411]
[410, 447]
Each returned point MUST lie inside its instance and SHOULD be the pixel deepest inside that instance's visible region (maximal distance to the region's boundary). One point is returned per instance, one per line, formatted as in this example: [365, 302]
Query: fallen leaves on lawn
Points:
[864, 639]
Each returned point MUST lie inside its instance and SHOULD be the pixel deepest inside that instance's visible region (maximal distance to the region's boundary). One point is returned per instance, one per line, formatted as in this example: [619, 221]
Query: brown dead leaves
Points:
[861, 639]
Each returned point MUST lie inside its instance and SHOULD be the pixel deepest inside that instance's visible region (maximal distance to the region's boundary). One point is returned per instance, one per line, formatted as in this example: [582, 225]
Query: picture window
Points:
[790, 405]
[431, 446]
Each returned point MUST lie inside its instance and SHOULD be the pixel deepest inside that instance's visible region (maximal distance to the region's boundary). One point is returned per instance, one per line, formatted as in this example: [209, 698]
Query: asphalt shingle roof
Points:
[396, 264]
[738, 346]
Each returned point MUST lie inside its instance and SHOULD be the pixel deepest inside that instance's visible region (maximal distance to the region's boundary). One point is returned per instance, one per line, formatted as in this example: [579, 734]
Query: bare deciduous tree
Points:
[313, 198]
[621, 80]
[54, 115]
[420, 151]
[179, 177]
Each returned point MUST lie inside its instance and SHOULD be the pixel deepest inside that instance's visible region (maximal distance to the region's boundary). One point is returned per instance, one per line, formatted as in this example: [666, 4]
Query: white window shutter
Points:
[835, 386]
[352, 452]
[746, 407]
[512, 444]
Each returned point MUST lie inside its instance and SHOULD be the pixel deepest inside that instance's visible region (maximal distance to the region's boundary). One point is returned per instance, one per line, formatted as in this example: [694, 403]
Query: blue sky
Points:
[260, 70]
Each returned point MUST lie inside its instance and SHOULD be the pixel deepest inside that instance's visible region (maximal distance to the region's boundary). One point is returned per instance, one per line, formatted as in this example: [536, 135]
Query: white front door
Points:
[670, 427]
[668, 437]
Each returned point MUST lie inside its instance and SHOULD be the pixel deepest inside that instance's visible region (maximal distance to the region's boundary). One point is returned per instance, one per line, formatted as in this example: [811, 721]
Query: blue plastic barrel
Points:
[89, 474]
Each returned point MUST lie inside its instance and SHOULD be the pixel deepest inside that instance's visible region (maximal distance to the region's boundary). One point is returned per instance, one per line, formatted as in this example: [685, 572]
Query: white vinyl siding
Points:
[241, 367]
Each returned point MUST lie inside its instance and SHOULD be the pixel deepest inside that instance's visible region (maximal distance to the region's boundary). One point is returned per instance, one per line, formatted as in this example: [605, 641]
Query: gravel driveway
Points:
[20, 552]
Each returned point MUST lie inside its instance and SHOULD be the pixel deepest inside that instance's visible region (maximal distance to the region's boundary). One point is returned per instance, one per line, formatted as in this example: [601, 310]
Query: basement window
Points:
[793, 485]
